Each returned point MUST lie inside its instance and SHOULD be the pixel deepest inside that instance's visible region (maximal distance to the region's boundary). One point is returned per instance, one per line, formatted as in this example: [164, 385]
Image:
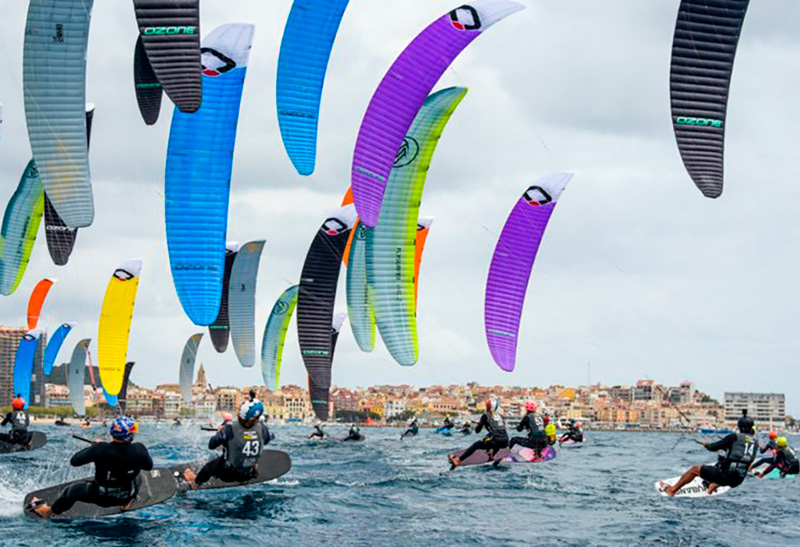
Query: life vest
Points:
[789, 458]
[742, 453]
[496, 425]
[245, 447]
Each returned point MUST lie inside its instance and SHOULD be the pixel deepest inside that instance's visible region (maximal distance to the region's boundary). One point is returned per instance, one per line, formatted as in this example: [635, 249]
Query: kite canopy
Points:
[706, 36]
[403, 91]
[170, 35]
[36, 301]
[188, 358]
[275, 336]
[219, 330]
[148, 89]
[54, 346]
[512, 263]
[54, 84]
[23, 364]
[359, 305]
[394, 245]
[305, 50]
[115, 325]
[76, 376]
[242, 301]
[198, 174]
[315, 302]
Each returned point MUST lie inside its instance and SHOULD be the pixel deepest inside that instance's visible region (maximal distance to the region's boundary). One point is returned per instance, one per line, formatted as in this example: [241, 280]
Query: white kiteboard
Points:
[698, 488]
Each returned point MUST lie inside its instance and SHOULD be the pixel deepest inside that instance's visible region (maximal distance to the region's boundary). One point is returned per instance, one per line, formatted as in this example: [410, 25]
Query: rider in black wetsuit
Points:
[771, 447]
[448, 424]
[117, 466]
[19, 421]
[354, 434]
[785, 460]
[242, 442]
[731, 469]
[413, 429]
[575, 433]
[466, 429]
[318, 433]
[497, 438]
[536, 438]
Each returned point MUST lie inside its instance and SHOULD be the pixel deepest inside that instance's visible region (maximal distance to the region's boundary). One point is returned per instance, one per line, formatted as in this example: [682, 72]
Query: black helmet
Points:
[745, 423]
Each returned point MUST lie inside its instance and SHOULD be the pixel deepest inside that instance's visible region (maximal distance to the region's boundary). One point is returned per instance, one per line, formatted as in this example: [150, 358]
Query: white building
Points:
[172, 404]
[766, 409]
[393, 408]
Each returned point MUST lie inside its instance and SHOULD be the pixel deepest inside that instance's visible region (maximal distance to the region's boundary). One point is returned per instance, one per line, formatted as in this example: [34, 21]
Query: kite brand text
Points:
[59, 35]
[703, 122]
[297, 114]
[499, 332]
[151, 31]
[313, 352]
[148, 86]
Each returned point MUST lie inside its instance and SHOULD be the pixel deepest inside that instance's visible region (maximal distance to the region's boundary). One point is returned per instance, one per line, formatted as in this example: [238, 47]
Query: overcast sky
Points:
[638, 274]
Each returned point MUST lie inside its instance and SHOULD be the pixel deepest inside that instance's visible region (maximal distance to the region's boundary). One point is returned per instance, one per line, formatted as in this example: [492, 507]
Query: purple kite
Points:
[512, 263]
[403, 91]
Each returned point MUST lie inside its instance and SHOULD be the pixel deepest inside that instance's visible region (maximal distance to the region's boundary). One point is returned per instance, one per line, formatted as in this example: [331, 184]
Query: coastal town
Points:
[643, 405]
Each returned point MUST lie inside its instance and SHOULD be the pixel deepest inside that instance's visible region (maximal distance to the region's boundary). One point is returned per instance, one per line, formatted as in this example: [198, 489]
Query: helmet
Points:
[124, 428]
[773, 435]
[745, 423]
[781, 442]
[572, 420]
[18, 403]
[530, 406]
[546, 419]
[227, 417]
[493, 404]
[251, 410]
[578, 424]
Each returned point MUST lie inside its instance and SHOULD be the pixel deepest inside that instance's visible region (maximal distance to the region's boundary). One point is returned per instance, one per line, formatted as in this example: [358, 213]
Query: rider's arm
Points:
[84, 456]
[722, 444]
[220, 438]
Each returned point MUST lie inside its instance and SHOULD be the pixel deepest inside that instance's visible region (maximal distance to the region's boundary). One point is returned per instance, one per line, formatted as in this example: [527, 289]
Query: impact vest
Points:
[496, 425]
[789, 457]
[245, 447]
[19, 420]
[742, 453]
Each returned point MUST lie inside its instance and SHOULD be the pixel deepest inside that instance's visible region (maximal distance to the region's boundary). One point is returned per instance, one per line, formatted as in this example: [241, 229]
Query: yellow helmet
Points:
[781, 442]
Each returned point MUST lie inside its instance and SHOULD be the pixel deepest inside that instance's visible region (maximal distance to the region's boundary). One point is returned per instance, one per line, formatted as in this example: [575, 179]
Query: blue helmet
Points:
[251, 410]
[124, 428]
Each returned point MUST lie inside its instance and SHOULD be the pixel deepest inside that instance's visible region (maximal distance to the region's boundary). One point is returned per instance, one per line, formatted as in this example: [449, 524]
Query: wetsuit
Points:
[731, 469]
[448, 424]
[19, 434]
[412, 430]
[466, 429]
[785, 460]
[116, 475]
[574, 434]
[772, 447]
[354, 435]
[536, 438]
[241, 448]
[496, 439]
[318, 433]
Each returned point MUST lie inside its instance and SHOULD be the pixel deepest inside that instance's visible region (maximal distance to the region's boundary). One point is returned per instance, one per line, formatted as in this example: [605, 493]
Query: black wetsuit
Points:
[116, 475]
[466, 429]
[317, 434]
[412, 430]
[536, 438]
[354, 435]
[448, 424]
[731, 469]
[241, 448]
[496, 439]
[770, 447]
[19, 434]
[786, 461]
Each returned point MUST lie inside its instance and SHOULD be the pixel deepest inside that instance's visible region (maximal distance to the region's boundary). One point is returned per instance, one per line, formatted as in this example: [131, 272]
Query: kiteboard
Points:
[698, 488]
[774, 474]
[569, 443]
[38, 440]
[447, 432]
[519, 454]
[157, 486]
[271, 465]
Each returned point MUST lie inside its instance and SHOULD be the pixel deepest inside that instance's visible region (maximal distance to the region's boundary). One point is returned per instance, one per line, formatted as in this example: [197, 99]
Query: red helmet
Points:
[578, 424]
[530, 406]
[773, 435]
[18, 403]
[546, 419]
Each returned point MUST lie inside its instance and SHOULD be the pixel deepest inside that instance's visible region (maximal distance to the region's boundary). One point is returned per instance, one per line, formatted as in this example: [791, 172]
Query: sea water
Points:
[385, 491]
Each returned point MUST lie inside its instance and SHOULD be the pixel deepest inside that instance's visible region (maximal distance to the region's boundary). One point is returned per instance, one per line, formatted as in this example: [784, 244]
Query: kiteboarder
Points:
[242, 442]
[19, 421]
[318, 433]
[466, 429]
[117, 467]
[549, 430]
[413, 429]
[448, 424]
[574, 433]
[495, 425]
[770, 447]
[354, 434]
[731, 469]
[531, 423]
[785, 460]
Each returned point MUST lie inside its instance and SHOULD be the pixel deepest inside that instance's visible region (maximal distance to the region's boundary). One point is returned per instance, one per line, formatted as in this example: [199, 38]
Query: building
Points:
[9, 341]
[56, 396]
[766, 409]
[228, 399]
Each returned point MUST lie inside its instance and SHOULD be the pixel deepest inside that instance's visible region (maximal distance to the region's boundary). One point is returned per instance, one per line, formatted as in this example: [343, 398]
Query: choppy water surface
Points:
[387, 492]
